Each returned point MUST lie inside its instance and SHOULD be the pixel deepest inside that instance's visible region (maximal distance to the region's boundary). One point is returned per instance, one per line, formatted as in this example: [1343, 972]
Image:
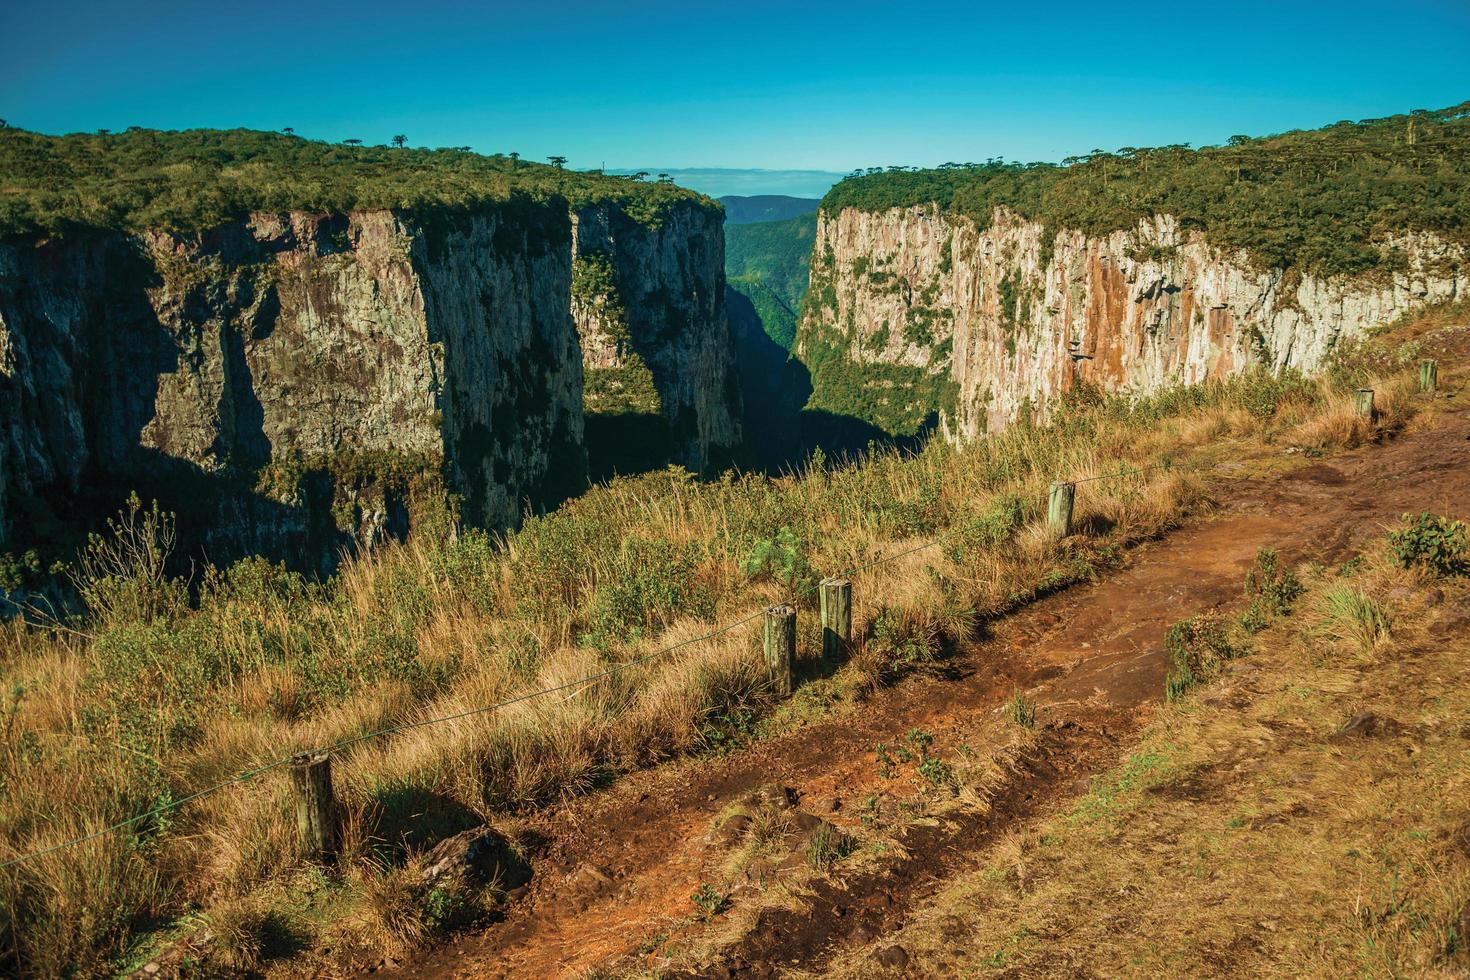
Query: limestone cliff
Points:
[977, 323]
[649, 303]
[295, 359]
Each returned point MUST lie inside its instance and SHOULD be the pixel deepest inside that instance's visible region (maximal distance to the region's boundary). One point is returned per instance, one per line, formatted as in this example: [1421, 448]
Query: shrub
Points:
[1271, 589]
[782, 559]
[122, 576]
[17, 571]
[1432, 542]
[650, 584]
[900, 641]
[1198, 647]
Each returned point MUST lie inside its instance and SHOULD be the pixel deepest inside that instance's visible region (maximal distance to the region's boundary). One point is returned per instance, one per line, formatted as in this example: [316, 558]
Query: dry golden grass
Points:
[150, 708]
[1338, 425]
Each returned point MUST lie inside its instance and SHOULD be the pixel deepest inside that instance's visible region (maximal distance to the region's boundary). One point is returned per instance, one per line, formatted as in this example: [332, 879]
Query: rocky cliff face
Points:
[1011, 315]
[292, 364]
[649, 303]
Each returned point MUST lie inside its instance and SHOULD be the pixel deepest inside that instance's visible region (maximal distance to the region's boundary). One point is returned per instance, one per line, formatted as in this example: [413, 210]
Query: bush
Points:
[1271, 589]
[1198, 647]
[782, 559]
[1432, 542]
[122, 576]
[651, 583]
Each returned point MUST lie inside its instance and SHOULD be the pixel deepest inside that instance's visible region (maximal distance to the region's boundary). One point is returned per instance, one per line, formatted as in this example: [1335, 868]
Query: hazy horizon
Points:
[744, 181]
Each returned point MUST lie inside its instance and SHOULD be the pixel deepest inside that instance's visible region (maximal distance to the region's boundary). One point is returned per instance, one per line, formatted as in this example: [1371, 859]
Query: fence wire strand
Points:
[249, 774]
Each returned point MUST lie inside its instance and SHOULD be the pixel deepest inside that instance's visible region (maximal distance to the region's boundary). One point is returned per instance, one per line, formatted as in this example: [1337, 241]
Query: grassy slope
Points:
[199, 178]
[1242, 835]
[153, 697]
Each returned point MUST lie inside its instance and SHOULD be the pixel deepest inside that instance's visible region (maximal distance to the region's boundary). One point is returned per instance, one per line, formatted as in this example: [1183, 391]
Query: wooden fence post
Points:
[781, 647]
[1363, 402]
[1428, 376]
[1059, 508]
[836, 596]
[316, 806]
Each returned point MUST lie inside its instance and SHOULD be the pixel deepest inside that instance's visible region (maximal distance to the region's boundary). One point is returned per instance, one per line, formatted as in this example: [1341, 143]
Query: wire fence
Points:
[249, 774]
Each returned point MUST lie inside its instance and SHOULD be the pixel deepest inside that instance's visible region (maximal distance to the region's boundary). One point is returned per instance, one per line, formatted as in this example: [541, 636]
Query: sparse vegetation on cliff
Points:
[1321, 200]
[197, 179]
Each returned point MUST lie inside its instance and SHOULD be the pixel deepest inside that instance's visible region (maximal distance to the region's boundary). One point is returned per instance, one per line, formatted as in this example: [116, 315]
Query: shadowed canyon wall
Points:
[357, 359]
[649, 303]
[294, 383]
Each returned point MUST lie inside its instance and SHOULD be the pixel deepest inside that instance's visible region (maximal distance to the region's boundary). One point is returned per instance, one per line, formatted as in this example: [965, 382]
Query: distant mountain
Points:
[740, 210]
[720, 181]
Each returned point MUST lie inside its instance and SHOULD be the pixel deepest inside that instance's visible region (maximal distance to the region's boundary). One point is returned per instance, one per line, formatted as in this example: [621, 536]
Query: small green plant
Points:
[728, 729]
[1022, 711]
[782, 559]
[1432, 542]
[887, 765]
[1349, 615]
[447, 908]
[17, 571]
[828, 846]
[1197, 648]
[920, 741]
[936, 773]
[710, 902]
[931, 772]
[1272, 590]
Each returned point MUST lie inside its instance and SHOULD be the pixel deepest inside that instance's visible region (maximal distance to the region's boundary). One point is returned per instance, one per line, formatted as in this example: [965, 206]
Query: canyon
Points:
[294, 382]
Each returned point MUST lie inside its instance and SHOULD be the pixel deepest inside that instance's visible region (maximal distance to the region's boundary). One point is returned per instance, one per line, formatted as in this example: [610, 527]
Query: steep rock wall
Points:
[292, 355]
[649, 303]
[1011, 315]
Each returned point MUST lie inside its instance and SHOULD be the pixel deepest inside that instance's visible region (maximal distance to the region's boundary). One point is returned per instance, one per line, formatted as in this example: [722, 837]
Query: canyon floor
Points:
[615, 871]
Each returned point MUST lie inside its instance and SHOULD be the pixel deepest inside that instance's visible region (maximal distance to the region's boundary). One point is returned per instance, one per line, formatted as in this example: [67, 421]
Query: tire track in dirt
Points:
[618, 866]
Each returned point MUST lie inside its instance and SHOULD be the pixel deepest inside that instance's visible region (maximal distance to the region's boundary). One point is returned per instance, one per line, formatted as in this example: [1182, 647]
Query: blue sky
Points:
[819, 86]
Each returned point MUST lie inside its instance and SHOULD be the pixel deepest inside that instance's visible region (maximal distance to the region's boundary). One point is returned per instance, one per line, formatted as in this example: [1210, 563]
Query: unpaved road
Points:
[1093, 659]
